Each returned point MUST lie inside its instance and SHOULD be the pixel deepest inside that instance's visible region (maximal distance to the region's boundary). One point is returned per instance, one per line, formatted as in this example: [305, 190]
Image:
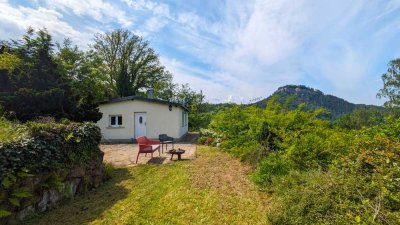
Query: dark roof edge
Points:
[114, 100]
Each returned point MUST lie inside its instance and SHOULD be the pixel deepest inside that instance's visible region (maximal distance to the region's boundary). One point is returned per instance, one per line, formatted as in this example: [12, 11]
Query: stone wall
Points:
[49, 190]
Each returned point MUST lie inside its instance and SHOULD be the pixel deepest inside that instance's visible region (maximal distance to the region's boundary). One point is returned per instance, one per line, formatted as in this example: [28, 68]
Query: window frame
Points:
[184, 118]
[117, 118]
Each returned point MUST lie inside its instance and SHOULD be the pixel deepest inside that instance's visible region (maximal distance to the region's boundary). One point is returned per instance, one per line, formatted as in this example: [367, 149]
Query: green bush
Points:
[333, 197]
[46, 148]
[271, 166]
[10, 130]
[108, 169]
[317, 173]
[199, 120]
[237, 127]
[202, 140]
[317, 148]
[362, 117]
[361, 184]
[313, 197]
[50, 147]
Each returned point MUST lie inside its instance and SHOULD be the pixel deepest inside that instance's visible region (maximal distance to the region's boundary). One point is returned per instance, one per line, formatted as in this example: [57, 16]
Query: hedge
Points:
[49, 147]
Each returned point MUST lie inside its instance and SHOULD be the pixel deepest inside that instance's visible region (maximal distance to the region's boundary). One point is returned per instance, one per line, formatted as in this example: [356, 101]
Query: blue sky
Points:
[238, 50]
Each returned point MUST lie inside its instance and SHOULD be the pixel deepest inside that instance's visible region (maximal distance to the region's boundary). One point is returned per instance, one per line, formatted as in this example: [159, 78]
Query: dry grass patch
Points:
[219, 170]
[226, 179]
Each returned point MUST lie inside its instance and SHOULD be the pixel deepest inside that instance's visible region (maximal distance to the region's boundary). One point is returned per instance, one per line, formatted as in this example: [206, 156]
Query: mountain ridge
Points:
[313, 99]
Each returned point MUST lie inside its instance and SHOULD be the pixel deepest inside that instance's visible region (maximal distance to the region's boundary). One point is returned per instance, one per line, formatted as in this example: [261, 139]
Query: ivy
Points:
[48, 147]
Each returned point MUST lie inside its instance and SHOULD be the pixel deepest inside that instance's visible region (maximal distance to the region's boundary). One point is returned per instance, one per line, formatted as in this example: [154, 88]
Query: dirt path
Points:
[211, 189]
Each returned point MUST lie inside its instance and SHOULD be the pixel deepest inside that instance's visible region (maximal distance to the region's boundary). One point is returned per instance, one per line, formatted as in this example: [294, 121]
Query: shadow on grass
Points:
[157, 160]
[84, 208]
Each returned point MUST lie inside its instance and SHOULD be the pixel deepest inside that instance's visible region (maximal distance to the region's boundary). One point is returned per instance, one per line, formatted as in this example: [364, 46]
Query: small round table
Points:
[178, 152]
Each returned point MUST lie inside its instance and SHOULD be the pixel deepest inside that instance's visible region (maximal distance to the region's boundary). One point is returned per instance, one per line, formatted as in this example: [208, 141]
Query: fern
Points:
[21, 193]
[14, 201]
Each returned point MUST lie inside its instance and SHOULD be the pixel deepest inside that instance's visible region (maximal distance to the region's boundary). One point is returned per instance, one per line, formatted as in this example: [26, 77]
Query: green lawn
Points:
[212, 189]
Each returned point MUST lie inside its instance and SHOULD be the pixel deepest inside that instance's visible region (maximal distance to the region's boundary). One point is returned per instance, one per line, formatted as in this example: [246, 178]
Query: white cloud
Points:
[15, 21]
[155, 23]
[214, 89]
[158, 15]
[270, 33]
[242, 46]
[260, 45]
[97, 9]
[155, 8]
[184, 74]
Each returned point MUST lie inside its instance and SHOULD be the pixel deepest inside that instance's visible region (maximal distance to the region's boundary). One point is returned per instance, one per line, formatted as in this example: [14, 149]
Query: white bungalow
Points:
[129, 117]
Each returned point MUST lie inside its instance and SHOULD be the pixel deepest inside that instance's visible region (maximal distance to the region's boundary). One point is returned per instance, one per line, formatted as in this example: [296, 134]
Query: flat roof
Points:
[135, 97]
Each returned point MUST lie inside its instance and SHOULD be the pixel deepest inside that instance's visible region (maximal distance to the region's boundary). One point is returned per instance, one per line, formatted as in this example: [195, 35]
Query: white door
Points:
[140, 124]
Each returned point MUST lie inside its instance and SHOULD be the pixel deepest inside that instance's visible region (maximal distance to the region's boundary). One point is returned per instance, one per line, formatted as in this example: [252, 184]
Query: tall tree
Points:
[391, 85]
[84, 70]
[165, 88]
[124, 83]
[8, 62]
[121, 49]
[39, 85]
[188, 97]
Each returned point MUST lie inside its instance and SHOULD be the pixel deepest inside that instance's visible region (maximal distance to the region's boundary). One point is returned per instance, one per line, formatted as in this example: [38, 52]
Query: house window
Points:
[115, 121]
[184, 119]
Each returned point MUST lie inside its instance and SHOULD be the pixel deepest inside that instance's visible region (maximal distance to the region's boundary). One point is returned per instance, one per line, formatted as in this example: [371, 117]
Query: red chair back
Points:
[142, 140]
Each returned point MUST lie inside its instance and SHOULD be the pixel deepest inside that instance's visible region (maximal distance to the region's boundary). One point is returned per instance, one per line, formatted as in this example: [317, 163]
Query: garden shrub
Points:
[10, 130]
[271, 166]
[362, 188]
[199, 120]
[317, 173]
[49, 147]
[317, 148]
[314, 197]
[47, 150]
[238, 128]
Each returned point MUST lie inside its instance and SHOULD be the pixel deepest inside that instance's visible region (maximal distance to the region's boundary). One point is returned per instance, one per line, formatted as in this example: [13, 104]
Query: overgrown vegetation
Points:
[360, 118]
[213, 189]
[46, 148]
[49, 147]
[35, 84]
[317, 173]
[10, 130]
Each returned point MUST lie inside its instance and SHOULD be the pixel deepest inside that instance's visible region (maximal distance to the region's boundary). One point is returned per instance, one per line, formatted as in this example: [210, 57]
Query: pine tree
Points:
[38, 84]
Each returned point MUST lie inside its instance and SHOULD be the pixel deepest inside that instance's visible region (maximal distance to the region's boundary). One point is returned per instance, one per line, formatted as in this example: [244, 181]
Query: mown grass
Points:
[213, 189]
[10, 130]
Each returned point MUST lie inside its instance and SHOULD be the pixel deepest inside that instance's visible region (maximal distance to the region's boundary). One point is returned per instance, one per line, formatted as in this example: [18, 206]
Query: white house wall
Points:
[159, 119]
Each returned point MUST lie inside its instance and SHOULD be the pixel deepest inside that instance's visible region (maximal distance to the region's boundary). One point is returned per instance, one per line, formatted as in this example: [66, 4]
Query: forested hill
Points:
[294, 95]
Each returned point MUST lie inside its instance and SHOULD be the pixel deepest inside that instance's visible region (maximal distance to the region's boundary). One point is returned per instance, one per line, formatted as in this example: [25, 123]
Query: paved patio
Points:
[122, 155]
